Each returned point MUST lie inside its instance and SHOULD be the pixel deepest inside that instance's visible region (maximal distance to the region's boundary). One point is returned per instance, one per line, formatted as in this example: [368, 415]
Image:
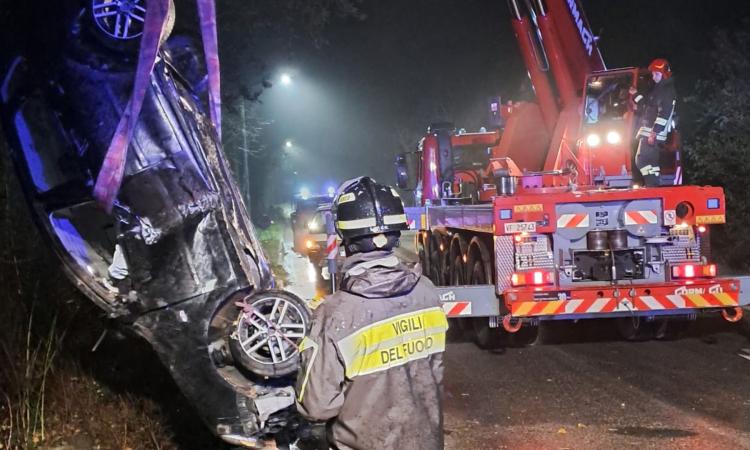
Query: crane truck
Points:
[541, 218]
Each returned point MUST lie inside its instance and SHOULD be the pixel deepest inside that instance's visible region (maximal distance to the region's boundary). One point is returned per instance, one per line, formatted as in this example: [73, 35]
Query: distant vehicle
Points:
[315, 242]
[193, 280]
[315, 247]
[302, 213]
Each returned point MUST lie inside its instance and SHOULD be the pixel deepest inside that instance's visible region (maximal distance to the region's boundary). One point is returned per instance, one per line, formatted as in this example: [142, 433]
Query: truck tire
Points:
[670, 330]
[485, 337]
[524, 337]
[635, 329]
[458, 272]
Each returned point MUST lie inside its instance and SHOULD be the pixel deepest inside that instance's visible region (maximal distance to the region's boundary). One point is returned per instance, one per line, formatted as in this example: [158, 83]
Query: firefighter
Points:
[656, 111]
[372, 364]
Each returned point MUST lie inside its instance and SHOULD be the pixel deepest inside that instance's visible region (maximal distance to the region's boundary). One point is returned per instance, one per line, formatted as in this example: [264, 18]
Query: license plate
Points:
[520, 227]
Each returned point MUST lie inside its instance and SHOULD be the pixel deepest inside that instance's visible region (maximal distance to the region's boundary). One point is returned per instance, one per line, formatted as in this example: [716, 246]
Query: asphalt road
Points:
[594, 391]
[582, 387]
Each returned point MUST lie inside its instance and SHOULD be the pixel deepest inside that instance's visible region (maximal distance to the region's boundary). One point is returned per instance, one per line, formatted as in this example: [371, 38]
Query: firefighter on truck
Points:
[657, 114]
[372, 365]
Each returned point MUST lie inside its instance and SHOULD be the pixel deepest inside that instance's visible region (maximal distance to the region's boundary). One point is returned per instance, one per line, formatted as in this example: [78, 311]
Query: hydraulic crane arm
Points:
[568, 44]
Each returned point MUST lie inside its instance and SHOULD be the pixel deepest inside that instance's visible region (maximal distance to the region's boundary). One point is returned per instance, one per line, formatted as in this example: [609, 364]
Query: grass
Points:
[54, 391]
[28, 371]
[271, 239]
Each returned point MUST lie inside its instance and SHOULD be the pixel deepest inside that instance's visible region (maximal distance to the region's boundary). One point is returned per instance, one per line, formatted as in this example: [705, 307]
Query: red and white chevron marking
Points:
[573, 220]
[641, 217]
[457, 309]
[332, 247]
[612, 305]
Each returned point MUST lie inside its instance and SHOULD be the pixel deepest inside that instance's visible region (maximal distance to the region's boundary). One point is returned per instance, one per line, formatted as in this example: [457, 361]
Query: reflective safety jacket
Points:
[657, 110]
[372, 364]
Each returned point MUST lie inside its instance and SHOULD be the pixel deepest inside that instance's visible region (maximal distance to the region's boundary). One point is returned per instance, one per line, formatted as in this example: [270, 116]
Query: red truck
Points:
[541, 218]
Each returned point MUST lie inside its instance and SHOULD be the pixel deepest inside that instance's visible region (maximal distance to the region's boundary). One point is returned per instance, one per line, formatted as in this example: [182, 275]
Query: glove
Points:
[651, 138]
[632, 90]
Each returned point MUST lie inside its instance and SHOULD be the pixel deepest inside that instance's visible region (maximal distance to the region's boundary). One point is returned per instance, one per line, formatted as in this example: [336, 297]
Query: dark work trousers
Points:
[647, 161]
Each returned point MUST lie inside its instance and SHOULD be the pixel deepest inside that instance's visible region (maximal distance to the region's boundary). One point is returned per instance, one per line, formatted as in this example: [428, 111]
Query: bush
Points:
[717, 148]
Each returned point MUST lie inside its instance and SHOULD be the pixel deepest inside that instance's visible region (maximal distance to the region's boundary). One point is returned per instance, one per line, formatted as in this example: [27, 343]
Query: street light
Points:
[288, 143]
[285, 79]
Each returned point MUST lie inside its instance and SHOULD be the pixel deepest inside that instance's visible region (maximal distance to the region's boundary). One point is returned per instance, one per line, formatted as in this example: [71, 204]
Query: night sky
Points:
[371, 90]
[378, 83]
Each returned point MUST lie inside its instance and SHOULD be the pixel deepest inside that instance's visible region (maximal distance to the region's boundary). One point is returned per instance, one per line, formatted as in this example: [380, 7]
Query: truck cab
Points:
[609, 121]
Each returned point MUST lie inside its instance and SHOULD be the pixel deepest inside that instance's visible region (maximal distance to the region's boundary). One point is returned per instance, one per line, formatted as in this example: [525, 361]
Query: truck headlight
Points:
[614, 137]
[313, 226]
[593, 140]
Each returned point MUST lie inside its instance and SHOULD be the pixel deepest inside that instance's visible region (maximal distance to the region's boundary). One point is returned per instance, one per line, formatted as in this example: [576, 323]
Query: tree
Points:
[251, 34]
[718, 147]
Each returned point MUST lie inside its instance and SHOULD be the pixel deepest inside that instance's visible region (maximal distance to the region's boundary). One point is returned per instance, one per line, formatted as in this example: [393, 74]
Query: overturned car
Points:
[176, 260]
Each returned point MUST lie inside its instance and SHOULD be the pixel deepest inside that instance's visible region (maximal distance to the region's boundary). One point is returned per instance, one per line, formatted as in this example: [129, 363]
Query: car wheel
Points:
[266, 335]
[119, 24]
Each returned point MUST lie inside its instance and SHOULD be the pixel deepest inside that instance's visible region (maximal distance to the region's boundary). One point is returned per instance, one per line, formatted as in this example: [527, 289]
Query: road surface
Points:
[601, 392]
[584, 388]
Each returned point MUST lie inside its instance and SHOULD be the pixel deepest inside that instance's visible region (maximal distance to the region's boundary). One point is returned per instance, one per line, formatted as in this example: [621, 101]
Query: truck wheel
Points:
[436, 263]
[264, 338]
[669, 330]
[485, 337]
[524, 337]
[635, 329]
[458, 274]
[477, 273]
[422, 257]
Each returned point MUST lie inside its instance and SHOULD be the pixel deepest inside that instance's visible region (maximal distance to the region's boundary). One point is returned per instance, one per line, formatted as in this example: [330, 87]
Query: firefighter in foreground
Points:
[656, 110]
[372, 365]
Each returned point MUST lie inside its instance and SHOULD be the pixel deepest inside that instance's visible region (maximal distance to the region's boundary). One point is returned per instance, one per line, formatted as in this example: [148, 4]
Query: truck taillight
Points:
[694, 271]
[532, 278]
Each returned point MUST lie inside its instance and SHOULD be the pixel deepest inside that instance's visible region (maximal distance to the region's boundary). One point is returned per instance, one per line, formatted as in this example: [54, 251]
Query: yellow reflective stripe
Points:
[550, 308]
[646, 170]
[660, 121]
[345, 198]
[698, 300]
[725, 299]
[356, 223]
[399, 354]
[523, 309]
[394, 341]
[307, 344]
[638, 98]
[391, 219]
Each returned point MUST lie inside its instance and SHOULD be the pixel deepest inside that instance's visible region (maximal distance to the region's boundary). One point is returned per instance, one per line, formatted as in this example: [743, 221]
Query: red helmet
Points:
[660, 65]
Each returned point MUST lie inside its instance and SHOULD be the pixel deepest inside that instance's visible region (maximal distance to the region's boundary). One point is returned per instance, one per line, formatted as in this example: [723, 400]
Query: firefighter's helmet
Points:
[363, 208]
[661, 65]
